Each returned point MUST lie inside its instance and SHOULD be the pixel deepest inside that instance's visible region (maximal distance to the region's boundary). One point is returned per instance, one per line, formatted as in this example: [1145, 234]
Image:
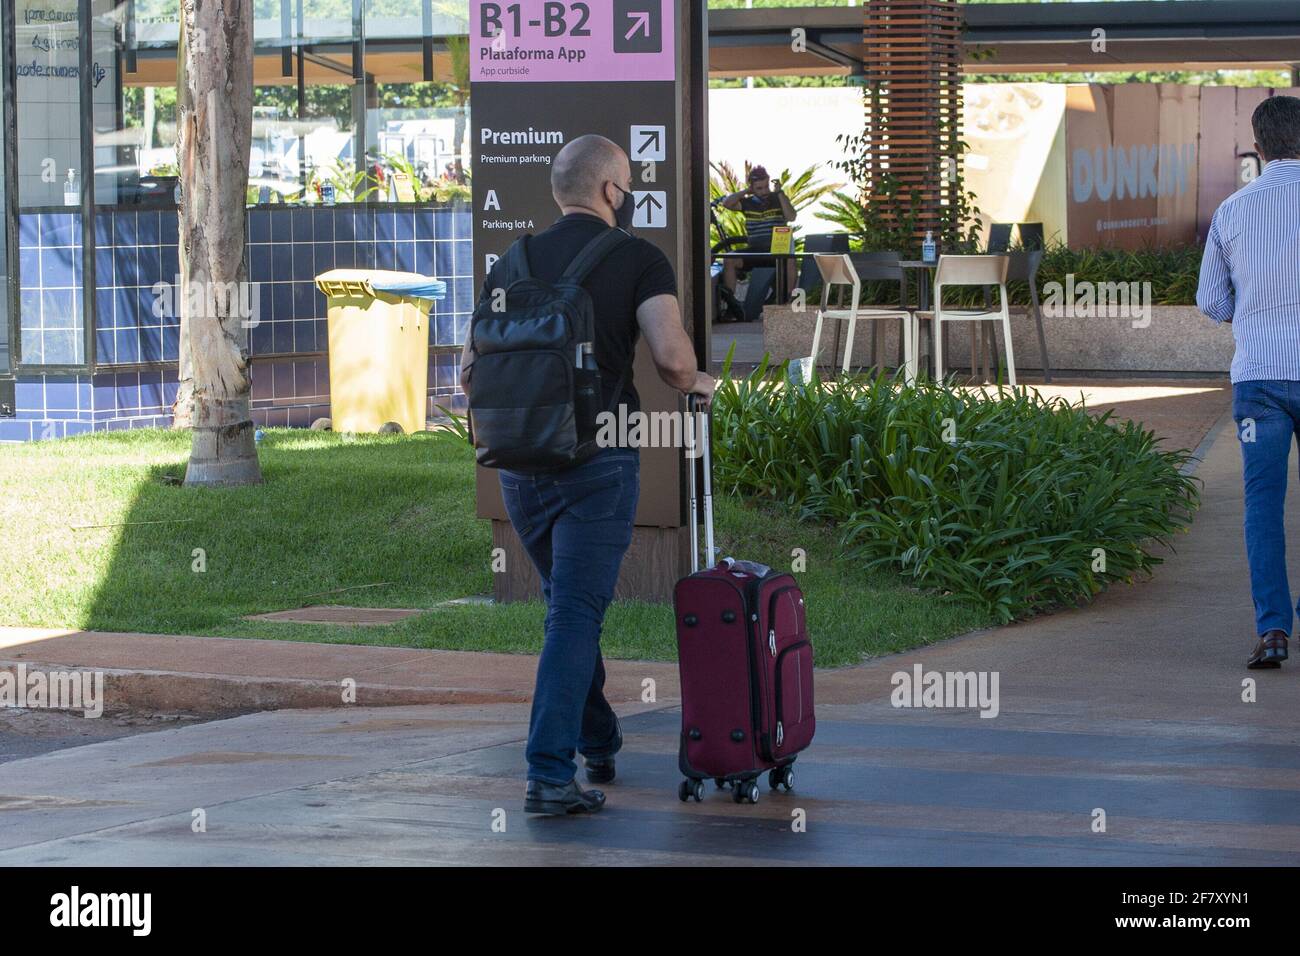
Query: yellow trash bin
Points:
[378, 347]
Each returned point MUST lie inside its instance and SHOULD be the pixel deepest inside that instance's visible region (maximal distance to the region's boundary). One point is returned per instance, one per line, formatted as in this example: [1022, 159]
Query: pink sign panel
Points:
[557, 41]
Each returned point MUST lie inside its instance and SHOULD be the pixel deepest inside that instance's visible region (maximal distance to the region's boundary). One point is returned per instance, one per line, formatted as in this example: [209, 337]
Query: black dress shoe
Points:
[550, 798]
[601, 769]
[1269, 652]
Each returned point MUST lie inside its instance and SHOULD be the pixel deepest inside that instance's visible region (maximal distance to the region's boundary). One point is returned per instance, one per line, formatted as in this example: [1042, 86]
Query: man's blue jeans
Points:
[1267, 413]
[576, 525]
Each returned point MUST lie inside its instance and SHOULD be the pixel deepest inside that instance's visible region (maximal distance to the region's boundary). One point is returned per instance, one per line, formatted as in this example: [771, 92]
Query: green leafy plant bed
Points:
[97, 533]
[1004, 500]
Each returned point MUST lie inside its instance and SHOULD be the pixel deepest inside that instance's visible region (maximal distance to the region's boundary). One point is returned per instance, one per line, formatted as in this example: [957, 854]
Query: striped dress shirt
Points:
[1250, 273]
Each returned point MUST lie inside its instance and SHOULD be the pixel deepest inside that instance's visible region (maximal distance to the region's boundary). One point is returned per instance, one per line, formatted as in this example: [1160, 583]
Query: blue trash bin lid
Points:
[409, 284]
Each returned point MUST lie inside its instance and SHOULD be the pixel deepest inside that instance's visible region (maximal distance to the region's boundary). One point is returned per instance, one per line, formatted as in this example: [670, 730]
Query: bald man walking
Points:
[576, 524]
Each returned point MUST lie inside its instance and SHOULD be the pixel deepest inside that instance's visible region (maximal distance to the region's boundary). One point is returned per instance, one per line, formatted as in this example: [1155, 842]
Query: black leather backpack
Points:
[534, 388]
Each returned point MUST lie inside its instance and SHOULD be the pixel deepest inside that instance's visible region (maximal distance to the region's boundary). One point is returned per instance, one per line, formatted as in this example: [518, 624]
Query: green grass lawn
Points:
[388, 518]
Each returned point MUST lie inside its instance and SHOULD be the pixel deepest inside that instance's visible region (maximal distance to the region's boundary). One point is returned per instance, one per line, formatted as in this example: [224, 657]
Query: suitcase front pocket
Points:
[794, 699]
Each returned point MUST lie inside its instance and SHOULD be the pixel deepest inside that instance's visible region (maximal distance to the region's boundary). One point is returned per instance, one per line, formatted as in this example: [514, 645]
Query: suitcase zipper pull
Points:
[780, 733]
[771, 640]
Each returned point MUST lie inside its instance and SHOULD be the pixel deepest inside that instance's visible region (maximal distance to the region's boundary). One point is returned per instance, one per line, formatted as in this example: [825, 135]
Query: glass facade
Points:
[358, 159]
[5, 360]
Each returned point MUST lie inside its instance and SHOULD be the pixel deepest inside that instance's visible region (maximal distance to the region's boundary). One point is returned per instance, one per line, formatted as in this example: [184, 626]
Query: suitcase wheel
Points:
[781, 777]
[690, 788]
[746, 792]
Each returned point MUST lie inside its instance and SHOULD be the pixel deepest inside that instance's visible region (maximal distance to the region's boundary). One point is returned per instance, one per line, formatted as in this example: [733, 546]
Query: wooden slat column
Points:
[913, 103]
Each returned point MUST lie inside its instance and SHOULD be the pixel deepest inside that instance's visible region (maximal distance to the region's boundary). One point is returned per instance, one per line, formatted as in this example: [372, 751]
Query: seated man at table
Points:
[765, 207]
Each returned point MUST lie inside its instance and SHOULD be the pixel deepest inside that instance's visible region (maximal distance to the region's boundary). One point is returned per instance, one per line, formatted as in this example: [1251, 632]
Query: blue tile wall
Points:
[288, 248]
[49, 276]
[136, 263]
[137, 321]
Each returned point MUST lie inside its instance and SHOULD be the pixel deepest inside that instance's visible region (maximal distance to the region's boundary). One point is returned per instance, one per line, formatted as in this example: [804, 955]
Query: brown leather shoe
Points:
[1269, 652]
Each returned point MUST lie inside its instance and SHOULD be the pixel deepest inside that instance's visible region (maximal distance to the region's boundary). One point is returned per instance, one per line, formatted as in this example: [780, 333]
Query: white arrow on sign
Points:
[640, 24]
[649, 144]
[651, 209]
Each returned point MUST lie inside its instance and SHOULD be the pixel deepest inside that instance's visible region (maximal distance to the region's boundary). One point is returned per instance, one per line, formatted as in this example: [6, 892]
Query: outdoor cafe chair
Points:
[1022, 266]
[1031, 236]
[838, 270]
[1000, 236]
[953, 271]
[884, 267]
[760, 285]
[819, 242]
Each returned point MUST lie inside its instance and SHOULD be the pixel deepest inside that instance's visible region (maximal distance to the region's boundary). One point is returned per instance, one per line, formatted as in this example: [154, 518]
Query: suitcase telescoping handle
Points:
[700, 454]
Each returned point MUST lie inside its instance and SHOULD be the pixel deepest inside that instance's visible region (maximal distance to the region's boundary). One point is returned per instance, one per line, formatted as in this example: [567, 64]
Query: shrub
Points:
[1005, 499]
[1173, 271]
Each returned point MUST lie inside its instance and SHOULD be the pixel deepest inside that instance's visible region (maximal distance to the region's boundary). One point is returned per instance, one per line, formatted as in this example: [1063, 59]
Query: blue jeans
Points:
[1268, 416]
[576, 525]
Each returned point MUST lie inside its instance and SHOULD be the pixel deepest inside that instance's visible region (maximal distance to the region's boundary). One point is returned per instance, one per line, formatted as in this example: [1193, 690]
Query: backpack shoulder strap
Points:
[516, 262]
[592, 254]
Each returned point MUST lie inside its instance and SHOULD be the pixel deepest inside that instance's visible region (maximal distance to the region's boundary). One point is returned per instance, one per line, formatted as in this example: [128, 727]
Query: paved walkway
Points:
[1132, 706]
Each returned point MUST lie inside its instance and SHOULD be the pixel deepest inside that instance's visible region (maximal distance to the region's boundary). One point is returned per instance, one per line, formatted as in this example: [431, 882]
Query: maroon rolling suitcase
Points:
[746, 665]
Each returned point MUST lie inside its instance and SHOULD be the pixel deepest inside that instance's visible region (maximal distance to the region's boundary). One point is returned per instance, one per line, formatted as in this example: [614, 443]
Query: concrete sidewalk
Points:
[1132, 707]
[217, 675]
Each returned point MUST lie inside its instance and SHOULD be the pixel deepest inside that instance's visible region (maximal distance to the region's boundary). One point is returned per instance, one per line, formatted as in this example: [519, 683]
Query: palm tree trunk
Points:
[214, 120]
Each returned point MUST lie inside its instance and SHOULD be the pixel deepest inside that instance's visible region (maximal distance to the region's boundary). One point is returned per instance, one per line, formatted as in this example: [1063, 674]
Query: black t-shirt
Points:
[631, 274]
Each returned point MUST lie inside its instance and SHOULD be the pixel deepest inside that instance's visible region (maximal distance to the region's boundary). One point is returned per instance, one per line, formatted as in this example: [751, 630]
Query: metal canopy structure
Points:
[1027, 37]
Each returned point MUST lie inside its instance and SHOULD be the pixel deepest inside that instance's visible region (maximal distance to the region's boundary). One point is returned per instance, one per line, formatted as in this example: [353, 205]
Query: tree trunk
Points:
[214, 132]
[183, 407]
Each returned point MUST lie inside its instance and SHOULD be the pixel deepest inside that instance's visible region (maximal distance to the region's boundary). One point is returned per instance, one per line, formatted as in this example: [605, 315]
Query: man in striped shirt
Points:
[1250, 276]
[765, 207]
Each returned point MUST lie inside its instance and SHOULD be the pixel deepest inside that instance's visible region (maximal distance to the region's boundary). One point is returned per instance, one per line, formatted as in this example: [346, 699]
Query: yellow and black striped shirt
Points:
[762, 215]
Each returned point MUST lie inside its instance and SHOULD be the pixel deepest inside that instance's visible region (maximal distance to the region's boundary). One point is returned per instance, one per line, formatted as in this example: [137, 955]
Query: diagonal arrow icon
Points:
[650, 143]
[640, 24]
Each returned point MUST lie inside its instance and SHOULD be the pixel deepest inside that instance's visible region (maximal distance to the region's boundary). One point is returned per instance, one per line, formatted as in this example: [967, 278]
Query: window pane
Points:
[4, 244]
[292, 155]
[50, 180]
[134, 115]
[49, 115]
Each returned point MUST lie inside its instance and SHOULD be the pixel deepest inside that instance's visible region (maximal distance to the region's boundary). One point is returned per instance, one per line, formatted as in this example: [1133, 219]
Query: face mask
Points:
[624, 213]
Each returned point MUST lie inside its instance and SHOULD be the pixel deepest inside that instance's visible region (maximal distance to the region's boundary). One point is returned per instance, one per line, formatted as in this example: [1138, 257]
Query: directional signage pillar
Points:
[542, 73]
